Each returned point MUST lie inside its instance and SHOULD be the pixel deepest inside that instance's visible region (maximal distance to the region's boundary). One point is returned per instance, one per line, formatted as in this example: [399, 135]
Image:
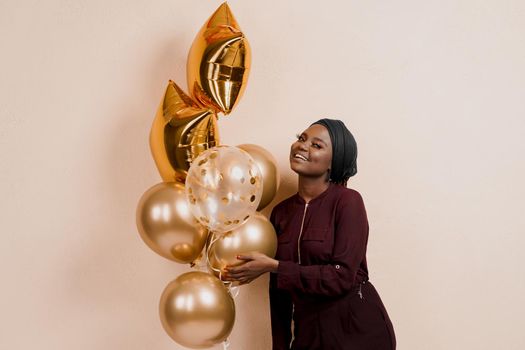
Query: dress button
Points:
[337, 267]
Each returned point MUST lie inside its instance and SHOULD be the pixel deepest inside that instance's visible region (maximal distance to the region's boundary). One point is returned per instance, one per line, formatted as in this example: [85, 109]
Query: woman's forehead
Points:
[318, 131]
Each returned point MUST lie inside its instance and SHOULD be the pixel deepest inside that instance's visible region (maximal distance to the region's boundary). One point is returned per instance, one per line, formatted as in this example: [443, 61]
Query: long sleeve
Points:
[281, 310]
[338, 276]
[281, 317]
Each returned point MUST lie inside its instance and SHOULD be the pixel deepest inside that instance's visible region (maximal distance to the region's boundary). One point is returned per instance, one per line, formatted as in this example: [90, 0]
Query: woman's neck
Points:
[309, 188]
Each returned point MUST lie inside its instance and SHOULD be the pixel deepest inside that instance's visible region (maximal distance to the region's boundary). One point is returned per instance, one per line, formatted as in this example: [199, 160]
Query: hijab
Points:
[344, 150]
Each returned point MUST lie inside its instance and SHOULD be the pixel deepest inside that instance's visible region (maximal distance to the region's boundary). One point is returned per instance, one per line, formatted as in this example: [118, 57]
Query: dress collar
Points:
[300, 200]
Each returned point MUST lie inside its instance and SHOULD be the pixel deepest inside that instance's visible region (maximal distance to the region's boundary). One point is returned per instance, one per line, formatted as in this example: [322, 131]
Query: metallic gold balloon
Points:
[219, 62]
[196, 310]
[223, 187]
[166, 224]
[181, 130]
[257, 234]
[269, 171]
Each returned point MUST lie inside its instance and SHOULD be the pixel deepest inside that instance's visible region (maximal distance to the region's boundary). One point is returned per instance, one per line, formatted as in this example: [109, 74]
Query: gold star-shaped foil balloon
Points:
[219, 62]
[181, 130]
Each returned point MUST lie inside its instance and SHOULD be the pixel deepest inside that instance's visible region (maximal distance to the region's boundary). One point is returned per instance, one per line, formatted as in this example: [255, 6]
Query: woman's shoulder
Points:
[348, 195]
[281, 210]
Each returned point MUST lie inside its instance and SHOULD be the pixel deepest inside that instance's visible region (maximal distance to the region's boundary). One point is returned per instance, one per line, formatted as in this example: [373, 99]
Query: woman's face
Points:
[311, 154]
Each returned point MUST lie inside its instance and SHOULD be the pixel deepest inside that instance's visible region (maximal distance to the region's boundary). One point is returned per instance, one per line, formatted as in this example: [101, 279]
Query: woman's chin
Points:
[295, 166]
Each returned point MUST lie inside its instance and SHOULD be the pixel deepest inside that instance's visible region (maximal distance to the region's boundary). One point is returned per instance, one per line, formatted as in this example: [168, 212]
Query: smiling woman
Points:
[311, 154]
[319, 278]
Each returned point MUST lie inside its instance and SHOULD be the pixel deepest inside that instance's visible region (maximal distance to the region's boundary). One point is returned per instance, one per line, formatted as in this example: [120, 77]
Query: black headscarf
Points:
[344, 150]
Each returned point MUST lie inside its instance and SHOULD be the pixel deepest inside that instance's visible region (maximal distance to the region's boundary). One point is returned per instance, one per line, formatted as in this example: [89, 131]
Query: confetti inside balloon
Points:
[223, 188]
[269, 171]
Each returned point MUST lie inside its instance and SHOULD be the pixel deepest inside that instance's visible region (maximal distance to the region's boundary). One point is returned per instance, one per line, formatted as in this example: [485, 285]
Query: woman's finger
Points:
[231, 269]
[236, 274]
[245, 257]
[234, 270]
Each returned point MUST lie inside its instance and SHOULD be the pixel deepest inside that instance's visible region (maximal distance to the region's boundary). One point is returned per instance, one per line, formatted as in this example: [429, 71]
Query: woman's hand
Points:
[256, 264]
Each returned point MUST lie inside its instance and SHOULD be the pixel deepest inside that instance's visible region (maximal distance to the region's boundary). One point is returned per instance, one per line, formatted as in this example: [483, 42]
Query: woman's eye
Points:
[299, 137]
[316, 145]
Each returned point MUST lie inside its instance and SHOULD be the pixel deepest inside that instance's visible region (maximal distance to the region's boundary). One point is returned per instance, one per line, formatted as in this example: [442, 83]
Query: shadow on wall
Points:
[116, 279]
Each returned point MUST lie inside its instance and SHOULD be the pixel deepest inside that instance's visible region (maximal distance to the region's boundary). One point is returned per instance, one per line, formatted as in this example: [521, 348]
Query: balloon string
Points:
[234, 291]
[200, 264]
[208, 250]
[226, 344]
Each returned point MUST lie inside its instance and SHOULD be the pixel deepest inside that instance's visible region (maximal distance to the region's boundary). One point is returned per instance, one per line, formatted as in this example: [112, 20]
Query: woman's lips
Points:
[300, 157]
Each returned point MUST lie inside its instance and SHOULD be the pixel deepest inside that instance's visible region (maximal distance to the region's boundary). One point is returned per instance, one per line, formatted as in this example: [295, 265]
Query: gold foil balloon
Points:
[166, 224]
[257, 234]
[219, 62]
[196, 310]
[269, 171]
[223, 187]
[181, 130]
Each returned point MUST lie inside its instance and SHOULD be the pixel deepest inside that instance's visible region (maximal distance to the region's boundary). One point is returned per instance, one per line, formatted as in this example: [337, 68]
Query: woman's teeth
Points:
[300, 156]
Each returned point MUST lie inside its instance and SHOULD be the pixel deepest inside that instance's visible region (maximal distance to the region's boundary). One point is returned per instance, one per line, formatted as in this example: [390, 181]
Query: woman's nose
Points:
[302, 147]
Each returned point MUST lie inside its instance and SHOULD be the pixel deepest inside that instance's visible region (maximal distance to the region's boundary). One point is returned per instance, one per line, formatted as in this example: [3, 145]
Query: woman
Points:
[319, 277]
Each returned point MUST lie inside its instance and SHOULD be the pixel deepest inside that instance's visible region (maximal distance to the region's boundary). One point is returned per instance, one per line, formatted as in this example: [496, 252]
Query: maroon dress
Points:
[322, 279]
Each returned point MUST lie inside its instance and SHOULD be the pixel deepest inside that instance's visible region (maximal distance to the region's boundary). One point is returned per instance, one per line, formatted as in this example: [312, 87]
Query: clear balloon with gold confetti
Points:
[223, 188]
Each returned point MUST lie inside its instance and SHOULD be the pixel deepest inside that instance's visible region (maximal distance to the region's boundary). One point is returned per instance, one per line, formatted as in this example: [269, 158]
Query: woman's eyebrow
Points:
[314, 138]
[317, 138]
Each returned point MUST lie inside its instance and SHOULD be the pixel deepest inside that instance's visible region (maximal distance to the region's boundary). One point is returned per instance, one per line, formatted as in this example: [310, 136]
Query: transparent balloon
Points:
[223, 188]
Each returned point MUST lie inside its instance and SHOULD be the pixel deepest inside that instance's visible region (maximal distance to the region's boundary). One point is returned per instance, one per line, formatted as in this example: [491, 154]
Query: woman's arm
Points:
[256, 264]
[336, 278]
[281, 310]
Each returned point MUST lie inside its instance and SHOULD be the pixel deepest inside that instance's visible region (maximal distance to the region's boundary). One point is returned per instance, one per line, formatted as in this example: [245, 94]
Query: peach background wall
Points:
[432, 90]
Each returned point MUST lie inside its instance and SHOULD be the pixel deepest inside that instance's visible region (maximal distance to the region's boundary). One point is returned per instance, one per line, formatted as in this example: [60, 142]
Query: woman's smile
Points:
[311, 153]
[300, 157]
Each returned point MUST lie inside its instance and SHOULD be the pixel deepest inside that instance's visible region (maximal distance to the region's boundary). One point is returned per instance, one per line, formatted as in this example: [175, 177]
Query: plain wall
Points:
[432, 90]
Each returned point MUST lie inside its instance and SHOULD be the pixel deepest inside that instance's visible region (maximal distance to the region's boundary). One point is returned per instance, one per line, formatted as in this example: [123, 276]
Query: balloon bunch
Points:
[206, 208]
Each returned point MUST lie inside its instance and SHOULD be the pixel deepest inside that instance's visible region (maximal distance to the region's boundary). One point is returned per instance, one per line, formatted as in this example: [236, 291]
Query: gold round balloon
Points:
[196, 310]
[257, 234]
[223, 187]
[181, 131]
[269, 171]
[166, 224]
[219, 62]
